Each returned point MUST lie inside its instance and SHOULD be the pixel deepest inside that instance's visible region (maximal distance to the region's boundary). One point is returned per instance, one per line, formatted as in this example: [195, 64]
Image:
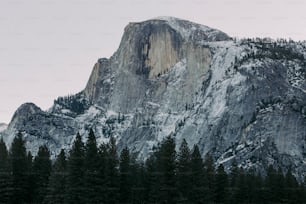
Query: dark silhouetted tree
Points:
[221, 186]
[102, 178]
[198, 178]
[138, 180]
[91, 169]
[20, 171]
[291, 187]
[152, 179]
[241, 187]
[210, 173]
[5, 175]
[125, 176]
[166, 163]
[41, 172]
[57, 182]
[112, 172]
[184, 172]
[233, 181]
[75, 179]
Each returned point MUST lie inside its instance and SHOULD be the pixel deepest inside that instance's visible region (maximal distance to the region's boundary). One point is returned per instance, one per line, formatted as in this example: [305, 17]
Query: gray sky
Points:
[48, 47]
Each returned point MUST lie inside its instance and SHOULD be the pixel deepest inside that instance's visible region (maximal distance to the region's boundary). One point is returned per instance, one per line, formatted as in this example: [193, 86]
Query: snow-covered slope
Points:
[3, 127]
[242, 99]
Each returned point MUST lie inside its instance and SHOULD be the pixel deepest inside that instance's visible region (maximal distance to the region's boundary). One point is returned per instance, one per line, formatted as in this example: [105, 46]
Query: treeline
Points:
[275, 50]
[75, 103]
[97, 174]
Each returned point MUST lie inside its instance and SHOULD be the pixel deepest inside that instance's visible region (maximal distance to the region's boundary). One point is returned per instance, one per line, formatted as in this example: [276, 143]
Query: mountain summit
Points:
[242, 100]
[147, 51]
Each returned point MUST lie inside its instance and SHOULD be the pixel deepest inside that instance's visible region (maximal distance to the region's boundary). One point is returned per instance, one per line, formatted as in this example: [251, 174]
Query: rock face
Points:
[148, 52]
[236, 99]
[3, 127]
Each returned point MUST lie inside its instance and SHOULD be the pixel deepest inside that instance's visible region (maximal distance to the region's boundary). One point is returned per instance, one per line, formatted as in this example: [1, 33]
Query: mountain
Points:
[242, 100]
[3, 127]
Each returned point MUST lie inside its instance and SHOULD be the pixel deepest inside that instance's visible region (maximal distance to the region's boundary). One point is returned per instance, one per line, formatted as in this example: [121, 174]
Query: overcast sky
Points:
[48, 47]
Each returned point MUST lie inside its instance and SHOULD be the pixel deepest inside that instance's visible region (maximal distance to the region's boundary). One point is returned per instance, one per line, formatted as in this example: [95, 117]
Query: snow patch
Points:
[226, 159]
[91, 113]
[187, 28]
[111, 113]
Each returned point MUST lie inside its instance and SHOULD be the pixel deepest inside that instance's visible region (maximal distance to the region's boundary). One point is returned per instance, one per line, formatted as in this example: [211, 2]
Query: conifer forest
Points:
[92, 174]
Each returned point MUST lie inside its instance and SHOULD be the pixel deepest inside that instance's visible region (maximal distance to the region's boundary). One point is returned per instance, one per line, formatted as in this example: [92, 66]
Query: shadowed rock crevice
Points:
[237, 99]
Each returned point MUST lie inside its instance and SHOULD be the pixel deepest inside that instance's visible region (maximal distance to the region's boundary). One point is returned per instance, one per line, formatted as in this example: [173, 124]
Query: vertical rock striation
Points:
[236, 99]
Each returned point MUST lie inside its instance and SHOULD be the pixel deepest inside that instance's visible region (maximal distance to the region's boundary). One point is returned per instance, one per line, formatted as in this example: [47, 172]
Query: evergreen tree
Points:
[167, 166]
[31, 180]
[57, 182]
[291, 187]
[300, 194]
[221, 185]
[91, 169]
[41, 170]
[279, 189]
[137, 181]
[125, 176]
[184, 172]
[210, 173]
[252, 185]
[152, 179]
[234, 174]
[92, 175]
[198, 178]
[271, 183]
[75, 178]
[5, 177]
[259, 189]
[241, 187]
[20, 171]
[102, 179]
[112, 172]
[233, 182]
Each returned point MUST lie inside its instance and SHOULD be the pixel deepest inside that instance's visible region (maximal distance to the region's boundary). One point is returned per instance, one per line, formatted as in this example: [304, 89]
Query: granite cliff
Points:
[237, 99]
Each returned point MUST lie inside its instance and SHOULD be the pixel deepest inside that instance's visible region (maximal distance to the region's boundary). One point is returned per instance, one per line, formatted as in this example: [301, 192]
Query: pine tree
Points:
[233, 182]
[101, 178]
[41, 170]
[137, 181]
[152, 179]
[112, 172]
[19, 171]
[303, 186]
[259, 188]
[125, 176]
[271, 183]
[57, 182]
[279, 189]
[91, 169]
[210, 174]
[253, 183]
[241, 187]
[5, 176]
[30, 178]
[198, 178]
[167, 166]
[184, 172]
[221, 185]
[75, 178]
[291, 187]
